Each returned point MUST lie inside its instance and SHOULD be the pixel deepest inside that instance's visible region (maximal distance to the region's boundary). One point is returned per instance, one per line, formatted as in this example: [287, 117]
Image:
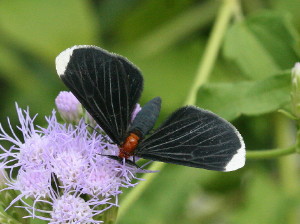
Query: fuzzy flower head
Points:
[69, 166]
[76, 157]
[33, 182]
[106, 176]
[70, 208]
[68, 107]
[31, 152]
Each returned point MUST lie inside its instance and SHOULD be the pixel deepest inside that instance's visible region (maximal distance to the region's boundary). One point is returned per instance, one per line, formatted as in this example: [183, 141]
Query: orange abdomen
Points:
[129, 145]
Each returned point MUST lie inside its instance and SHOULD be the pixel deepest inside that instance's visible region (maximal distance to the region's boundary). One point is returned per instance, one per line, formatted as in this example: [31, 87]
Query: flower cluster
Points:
[61, 170]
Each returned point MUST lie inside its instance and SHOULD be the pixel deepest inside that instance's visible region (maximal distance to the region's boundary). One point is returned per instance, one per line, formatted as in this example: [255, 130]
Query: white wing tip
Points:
[62, 60]
[239, 159]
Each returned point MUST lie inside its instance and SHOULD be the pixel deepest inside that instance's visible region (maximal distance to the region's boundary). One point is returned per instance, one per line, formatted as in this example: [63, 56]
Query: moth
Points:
[109, 87]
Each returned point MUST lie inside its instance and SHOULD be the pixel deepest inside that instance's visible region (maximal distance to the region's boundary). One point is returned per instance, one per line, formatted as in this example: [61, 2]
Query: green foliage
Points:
[262, 45]
[231, 100]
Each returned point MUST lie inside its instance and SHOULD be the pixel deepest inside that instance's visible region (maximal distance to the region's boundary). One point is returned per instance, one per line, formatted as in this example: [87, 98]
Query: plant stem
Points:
[270, 153]
[287, 166]
[205, 67]
[213, 46]
[133, 195]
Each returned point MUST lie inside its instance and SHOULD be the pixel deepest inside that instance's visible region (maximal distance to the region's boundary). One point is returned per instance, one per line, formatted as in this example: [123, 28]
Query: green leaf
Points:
[230, 100]
[290, 6]
[46, 27]
[262, 45]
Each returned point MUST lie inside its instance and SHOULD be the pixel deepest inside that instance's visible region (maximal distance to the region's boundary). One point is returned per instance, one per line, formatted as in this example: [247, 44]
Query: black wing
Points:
[197, 138]
[106, 84]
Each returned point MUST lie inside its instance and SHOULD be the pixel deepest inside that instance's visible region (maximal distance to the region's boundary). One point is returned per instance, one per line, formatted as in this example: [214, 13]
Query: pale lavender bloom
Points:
[33, 182]
[29, 134]
[68, 107]
[32, 152]
[70, 208]
[77, 158]
[111, 174]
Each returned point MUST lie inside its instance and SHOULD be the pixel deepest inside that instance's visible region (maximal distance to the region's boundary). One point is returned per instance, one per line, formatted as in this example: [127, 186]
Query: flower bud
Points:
[295, 94]
[68, 107]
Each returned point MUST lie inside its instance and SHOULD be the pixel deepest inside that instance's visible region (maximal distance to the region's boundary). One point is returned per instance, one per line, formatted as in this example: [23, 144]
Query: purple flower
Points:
[106, 176]
[70, 208]
[33, 182]
[75, 155]
[68, 107]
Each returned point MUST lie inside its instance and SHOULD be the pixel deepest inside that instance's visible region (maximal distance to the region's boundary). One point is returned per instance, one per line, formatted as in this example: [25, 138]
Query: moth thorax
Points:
[129, 145]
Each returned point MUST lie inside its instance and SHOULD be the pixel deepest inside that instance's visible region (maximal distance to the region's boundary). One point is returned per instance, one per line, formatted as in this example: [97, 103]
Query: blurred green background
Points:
[166, 40]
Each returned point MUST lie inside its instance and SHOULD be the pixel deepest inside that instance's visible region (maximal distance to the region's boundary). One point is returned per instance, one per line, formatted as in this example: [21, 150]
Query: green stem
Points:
[133, 195]
[287, 166]
[270, 153]
[205, 67]
[213, 46]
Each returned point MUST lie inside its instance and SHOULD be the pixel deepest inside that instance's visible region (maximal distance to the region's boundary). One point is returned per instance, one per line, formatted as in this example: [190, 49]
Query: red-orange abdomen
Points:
[129, 145]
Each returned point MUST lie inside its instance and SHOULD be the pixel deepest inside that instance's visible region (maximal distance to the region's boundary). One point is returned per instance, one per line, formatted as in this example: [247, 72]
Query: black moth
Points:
[109, 87]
